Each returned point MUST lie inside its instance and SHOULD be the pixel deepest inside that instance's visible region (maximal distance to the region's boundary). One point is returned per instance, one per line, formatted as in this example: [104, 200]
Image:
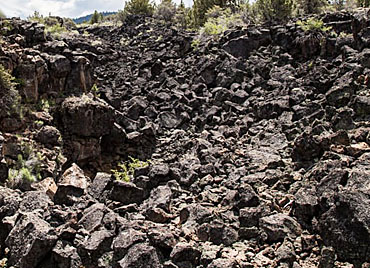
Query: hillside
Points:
[138, 147]
[87, 18]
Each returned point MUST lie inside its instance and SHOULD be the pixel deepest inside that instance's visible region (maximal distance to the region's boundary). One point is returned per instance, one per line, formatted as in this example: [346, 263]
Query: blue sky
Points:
[63, 8]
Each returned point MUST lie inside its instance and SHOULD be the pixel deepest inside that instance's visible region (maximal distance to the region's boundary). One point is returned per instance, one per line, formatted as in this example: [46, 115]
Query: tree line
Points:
[260, 11]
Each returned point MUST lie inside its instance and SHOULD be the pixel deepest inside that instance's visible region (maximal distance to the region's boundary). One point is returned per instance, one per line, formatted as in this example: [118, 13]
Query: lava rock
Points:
[72, 185]
[30, 240]
[126, 193]
[86, 117]
[140, 256]
[278, 226]
[184, 252]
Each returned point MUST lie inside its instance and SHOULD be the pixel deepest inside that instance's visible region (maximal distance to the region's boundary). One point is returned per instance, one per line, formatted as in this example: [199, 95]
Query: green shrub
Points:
[310, 6]
[10, 100]
[201, 7]
[212, 27]
[25, 174]
[248, 13]
[219, 20]
[195, 44]
[55, 30]
[95, 91]
[121, 15]
[127, 169]
[27, 167]
[270, 11]
[45, 105]
[139, 7]
[6, 79]
[37, 17]
[166, 11]
[313, 25]
[5, 27]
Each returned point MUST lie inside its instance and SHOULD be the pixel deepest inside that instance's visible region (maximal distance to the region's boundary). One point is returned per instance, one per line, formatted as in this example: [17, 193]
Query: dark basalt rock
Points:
[86, 117]
[30, 240]
[72, 186]
[257, 146]
[349, 218]
[126, 193]
[140, 256]
[279, 226]
[244, 45]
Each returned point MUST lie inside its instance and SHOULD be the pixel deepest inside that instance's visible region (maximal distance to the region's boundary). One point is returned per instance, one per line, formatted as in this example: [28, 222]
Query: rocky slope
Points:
[258, 146]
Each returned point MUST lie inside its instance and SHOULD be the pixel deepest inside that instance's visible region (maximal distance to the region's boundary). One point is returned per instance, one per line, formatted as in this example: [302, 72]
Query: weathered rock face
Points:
[244, 45]
[72, 185]
[259, 147]
[86, 117]
[30, 240]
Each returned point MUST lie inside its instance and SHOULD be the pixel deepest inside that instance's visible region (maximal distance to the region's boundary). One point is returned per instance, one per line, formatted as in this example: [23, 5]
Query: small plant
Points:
[312, 25]
[195, 44]
[22, 171]
[39, 123]
[127, 169]
[6, 79]
[27, 167]
[95, 91]
[43, 105]
[345, 35]
[5, 27]
[55, 30]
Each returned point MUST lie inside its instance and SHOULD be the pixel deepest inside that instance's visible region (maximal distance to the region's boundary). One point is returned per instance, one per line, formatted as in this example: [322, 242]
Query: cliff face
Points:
[258, 146]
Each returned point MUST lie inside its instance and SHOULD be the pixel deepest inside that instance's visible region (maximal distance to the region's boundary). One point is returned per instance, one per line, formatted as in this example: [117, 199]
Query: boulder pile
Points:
[257, 146]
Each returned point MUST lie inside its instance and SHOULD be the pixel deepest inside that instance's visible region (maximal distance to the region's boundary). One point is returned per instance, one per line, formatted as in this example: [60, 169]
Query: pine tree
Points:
[95, 17]
[142, 7]
[274, 10]
[183, 16]
[166, 10]
[310, 6]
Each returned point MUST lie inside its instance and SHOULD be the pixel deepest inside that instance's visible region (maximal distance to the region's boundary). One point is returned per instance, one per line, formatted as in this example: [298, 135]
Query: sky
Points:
[63, 8]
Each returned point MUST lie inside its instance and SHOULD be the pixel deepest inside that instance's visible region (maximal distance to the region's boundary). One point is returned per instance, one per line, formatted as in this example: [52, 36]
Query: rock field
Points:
[258, 147]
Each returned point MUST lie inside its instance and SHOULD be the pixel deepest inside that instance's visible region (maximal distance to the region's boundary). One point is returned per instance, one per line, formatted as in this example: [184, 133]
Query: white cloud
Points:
[63, 8]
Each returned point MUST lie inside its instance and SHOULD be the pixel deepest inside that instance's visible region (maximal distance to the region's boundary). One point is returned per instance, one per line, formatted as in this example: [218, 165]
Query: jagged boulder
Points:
[30, 240]
[86, 117]
[72, 185]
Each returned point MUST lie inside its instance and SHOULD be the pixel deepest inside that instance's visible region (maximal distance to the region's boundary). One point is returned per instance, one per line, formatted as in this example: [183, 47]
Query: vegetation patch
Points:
[53, 25]
[125, 171]
[27, 167]
[313, 25]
